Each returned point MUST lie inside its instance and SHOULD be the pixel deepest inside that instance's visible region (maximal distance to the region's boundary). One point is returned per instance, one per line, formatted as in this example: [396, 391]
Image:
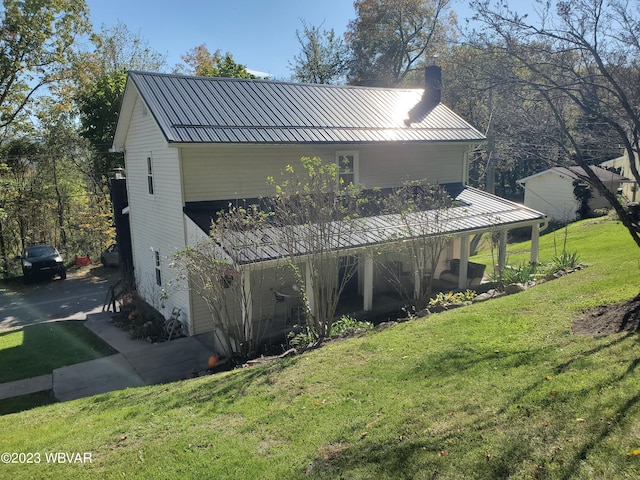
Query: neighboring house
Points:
[552, 191]
[621, 166]
[193, 144]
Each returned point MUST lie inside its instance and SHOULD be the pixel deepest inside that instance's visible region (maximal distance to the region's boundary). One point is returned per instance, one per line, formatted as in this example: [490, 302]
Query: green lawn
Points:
[39, 349]
[500, 389]
[26, 402]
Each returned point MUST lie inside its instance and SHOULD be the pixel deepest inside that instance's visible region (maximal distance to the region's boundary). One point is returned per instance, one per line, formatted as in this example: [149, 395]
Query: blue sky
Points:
[260, 34]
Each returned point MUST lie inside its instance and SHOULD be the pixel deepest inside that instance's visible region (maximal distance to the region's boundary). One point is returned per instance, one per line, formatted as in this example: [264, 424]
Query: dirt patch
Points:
[605, 320]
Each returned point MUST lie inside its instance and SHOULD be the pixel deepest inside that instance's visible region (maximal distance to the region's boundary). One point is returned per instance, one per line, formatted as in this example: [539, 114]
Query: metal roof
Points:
[224, 110]
[475, 210]
[576, 172]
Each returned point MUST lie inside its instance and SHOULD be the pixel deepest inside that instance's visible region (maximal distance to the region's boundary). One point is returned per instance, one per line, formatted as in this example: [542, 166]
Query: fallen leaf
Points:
[580, 420]
[548, 377]
[364, 434]
[442, 453]
[634, 452]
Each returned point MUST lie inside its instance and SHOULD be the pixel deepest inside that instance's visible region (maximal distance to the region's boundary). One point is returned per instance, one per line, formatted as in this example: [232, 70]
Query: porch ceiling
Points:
[476, 211]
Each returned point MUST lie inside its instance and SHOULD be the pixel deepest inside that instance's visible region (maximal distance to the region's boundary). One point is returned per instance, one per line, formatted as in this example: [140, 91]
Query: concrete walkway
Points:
[137, 363]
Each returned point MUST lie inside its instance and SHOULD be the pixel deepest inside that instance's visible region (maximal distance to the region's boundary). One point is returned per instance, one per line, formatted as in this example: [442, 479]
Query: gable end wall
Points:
[157, 221]
[552, 194]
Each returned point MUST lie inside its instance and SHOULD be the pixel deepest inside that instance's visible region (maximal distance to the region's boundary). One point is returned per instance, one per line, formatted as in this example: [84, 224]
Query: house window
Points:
[156, 255]
[149, 175]
[347, 167]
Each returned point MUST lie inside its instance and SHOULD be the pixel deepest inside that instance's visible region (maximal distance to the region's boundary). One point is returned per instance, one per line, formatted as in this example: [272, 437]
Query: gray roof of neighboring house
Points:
[476, 211]
[576, 172]
[224, 110]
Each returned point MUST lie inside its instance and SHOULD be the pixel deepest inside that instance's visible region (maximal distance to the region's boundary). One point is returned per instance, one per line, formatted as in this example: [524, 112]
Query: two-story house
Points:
[194, 143]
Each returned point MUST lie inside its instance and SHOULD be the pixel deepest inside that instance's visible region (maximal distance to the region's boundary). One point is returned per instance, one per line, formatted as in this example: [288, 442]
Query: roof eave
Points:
[124, 116]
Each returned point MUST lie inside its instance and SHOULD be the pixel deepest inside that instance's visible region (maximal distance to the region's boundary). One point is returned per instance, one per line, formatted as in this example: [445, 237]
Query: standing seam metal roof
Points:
[223, 110]
[477, 211]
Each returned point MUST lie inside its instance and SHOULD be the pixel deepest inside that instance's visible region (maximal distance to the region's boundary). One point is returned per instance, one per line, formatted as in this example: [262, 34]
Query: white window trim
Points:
[356, 163]
[150, 175]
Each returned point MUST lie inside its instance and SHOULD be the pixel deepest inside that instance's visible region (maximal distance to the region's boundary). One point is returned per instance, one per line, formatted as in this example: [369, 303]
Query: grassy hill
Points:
[500, 389]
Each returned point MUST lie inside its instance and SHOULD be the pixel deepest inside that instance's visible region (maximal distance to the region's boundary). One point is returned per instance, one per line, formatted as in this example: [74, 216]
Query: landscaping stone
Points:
[493, 293]
[514, 288]
[384, 325]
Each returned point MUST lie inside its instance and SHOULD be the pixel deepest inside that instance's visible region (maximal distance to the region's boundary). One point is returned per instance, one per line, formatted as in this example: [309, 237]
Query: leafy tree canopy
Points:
[99, 108]
[323, 57]
[199, 61]
[36, 47]
[99, 81]
[390, 39]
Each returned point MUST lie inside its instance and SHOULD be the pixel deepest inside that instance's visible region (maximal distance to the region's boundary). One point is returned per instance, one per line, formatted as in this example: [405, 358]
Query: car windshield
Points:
[41, 251]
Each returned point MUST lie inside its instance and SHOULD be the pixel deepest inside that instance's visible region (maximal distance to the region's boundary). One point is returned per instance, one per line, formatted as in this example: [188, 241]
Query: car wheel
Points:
[63, 275]
[103, 261]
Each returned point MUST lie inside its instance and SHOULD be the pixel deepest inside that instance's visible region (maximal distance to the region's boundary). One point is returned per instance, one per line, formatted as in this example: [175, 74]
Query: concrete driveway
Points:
[82, 293]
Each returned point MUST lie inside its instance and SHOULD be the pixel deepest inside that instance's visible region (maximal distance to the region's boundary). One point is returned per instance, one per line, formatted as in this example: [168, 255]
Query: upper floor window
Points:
[150, 175]
[347, 167]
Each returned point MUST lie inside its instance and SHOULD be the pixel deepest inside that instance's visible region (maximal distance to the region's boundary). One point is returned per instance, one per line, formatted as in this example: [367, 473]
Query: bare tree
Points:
[581, 60]
[314, 211]
[226, 282]
[421, 210]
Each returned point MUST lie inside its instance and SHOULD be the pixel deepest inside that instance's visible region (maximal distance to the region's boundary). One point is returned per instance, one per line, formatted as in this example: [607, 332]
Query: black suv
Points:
[42, 261]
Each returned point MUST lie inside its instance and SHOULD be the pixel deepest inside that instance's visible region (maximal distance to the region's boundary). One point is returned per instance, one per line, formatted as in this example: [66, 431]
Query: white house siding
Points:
[264, 281]
[230, 171]
[629, 189]
[156, 221]
[552, 194]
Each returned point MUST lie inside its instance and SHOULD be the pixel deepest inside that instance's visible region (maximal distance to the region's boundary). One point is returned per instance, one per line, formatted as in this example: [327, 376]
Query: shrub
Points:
[141, 320]
[444, 299]
[299, 338]
[565, 261]
[520, 274]
[348, 324]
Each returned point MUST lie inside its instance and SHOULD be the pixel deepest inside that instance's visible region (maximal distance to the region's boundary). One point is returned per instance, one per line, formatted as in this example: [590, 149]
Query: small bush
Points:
[444, 299]
[565, 261]
[348, 324]
[141, 320]
[520, 274]
[299, 338]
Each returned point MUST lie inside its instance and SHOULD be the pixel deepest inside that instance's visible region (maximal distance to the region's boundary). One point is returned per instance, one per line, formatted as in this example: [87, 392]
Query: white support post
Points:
[367, 286]
[535, 243]
[502, 250]
[465, 247]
